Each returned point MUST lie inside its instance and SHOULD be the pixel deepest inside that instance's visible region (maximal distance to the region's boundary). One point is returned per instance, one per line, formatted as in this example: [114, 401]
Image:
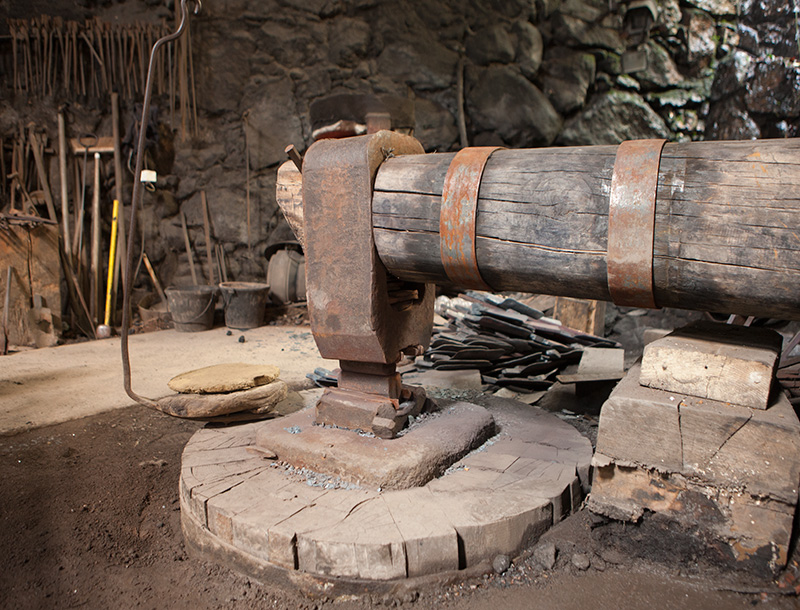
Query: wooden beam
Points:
[725, 223]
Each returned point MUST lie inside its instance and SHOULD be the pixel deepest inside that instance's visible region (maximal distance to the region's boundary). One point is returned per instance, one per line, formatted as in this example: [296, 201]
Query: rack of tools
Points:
[71, 60]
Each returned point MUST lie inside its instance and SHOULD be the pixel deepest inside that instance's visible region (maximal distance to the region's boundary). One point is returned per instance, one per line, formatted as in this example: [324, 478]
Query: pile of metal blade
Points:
[512, 345]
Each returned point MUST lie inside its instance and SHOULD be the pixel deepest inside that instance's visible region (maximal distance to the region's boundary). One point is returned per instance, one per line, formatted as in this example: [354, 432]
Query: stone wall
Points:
[535, 73]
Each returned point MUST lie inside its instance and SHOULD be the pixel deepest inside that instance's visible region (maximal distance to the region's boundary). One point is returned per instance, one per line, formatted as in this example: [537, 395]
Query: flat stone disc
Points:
[222, 378]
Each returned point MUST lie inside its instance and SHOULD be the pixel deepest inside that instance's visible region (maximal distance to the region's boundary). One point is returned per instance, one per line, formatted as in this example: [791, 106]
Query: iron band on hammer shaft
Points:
[631, 223]
[458, 216]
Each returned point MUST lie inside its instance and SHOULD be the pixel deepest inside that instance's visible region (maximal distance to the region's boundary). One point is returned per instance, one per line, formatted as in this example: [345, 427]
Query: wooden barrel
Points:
[727, 223]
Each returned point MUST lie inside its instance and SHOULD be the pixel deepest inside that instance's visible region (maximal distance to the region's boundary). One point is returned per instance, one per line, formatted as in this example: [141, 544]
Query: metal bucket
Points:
[192, 307]
[245, 304]
[286, 276]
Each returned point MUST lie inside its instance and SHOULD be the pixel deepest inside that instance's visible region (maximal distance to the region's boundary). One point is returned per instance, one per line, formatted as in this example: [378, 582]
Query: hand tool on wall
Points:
[94, 282]
[207, 230]
[188, 243]
[37, 148]
[6, 305]
[104, 330]
[119, 267]
[154, 278]
[62, 171]
[77, 241]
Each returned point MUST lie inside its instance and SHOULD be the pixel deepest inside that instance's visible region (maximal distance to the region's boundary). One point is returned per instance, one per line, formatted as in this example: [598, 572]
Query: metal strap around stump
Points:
[458, 216]
[631, 223]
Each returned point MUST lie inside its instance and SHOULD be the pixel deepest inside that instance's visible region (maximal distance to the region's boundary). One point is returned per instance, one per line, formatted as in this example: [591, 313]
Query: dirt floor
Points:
[90, 519]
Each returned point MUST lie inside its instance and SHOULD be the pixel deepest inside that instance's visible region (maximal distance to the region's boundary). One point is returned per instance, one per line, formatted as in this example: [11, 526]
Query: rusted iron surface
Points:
[631, 223]
[348, 298]
[352, 316]
[459, 214]
[364, 410]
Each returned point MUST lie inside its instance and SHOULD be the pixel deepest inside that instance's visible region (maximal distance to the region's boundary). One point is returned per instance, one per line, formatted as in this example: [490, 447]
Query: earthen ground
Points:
[90, 517]
[90, 513]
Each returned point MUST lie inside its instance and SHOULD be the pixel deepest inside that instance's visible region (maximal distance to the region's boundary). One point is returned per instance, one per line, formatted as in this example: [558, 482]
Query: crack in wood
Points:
[542, 248]
[730, 436]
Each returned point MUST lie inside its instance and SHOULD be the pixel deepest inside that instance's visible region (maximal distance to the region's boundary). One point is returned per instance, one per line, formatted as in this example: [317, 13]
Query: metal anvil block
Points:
[352, 317]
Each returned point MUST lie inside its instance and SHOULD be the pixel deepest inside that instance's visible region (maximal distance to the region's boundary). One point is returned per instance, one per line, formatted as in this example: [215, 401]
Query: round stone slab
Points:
[222, 378]
[272, 521]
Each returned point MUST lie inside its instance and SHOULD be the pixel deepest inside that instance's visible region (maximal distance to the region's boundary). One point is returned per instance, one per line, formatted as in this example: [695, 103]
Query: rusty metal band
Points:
[458, 216]
[631, 223]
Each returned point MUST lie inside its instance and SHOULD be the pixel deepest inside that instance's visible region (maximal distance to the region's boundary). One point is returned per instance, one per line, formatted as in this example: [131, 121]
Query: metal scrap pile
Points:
[513, 345]
[789, 369]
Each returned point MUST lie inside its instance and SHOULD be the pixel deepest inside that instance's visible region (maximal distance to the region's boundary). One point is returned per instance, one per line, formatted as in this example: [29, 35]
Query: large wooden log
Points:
[727, 226]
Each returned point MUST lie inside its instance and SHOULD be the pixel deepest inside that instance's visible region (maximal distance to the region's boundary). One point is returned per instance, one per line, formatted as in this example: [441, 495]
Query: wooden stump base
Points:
[730, 472]
[261, 515]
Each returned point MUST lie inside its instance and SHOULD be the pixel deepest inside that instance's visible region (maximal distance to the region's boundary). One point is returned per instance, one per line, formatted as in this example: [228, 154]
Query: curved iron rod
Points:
[126, 304]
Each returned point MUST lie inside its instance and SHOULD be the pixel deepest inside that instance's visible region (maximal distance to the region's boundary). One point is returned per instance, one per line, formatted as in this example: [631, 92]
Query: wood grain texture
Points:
[33, 252]
[722, 362]
[726, 229]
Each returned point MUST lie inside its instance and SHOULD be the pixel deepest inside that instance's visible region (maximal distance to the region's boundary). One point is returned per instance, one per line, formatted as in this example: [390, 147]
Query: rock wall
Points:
[535, 73]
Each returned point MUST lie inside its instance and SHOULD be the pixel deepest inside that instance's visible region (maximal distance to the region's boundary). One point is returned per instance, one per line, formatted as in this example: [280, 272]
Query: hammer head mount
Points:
[360, 314]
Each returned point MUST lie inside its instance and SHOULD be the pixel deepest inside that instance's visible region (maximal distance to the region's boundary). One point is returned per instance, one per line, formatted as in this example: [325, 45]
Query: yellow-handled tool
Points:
[104, 330]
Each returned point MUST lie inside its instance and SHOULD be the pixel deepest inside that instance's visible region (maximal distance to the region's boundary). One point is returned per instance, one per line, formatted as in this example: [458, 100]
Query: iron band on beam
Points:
[458, 216]
[631, 223]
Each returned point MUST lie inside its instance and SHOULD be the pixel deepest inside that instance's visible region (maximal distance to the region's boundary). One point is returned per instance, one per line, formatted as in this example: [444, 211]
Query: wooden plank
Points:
[763, 456]
[242, 513]
[365, 544]
[556, 482]
[494, 522]
[588, 316]
[722, 362]
[326, 510]
[33, 252]
[104, 145]
[640, 425]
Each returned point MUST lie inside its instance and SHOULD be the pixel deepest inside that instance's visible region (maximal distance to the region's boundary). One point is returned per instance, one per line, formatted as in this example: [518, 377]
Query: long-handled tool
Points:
[6, 305]
[152, 273]
[94, 279]
[77, 241]
[104, 330]
[62, 172]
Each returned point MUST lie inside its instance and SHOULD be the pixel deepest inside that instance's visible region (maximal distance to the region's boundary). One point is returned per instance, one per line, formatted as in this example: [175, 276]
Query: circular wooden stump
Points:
[269, 519]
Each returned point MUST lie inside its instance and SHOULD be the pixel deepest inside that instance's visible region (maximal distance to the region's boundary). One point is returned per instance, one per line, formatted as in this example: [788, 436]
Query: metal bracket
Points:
[459, 214]
[631, 223]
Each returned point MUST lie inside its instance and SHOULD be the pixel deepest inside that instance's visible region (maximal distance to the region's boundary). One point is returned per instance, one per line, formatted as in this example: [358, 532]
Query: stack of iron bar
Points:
[512, 345]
